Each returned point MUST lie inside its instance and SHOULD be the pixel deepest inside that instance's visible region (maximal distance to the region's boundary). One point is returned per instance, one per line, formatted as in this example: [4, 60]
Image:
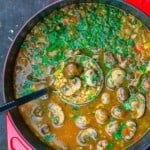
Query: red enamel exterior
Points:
[14, 140]
[143, 5]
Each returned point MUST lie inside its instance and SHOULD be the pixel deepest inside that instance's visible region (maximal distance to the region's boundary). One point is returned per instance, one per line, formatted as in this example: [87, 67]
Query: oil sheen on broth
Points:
[103, 98]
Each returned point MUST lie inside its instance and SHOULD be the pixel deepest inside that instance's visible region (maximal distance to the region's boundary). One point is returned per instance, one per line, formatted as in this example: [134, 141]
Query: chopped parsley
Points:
[48, 138]
[118, 134]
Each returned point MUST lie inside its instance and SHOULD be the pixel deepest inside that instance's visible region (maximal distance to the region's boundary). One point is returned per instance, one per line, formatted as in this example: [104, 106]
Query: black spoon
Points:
[14, 103]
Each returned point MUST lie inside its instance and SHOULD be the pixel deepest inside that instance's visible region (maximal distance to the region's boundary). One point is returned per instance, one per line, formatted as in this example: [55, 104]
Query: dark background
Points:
[13, 14]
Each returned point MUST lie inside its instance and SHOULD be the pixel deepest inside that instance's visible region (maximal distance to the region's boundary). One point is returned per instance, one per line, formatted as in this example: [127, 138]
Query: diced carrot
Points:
[125, 131]
[116, 148]
[136, 137]
[139, 48]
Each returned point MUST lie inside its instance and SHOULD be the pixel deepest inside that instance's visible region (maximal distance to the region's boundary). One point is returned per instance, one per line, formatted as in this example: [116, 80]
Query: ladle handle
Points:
[14, 103]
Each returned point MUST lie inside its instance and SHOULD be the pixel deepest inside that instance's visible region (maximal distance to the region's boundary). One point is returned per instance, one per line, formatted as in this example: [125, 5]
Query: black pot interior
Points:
[10, 63]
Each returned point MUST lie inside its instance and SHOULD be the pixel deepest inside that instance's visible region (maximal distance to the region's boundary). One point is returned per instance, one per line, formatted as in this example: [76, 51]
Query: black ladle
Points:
[14, 103]
[33, 96]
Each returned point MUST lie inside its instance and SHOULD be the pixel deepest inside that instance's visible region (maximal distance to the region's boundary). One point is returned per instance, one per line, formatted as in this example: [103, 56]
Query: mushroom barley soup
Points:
[96, 58]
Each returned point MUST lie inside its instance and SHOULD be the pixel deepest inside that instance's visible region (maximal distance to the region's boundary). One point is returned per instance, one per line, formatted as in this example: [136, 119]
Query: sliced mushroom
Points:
[146, 84]
[101, 145]
[91, 77]
[122, 94]
[96, 57]
[109, 58]
[71, 70]
[56, 114]
[138, 105]
[81, 122]
[61, 145]
[105, 98]
[112, 127]
[44, 129]
[36, 113]
[136, 77]
[71, 53]
[117, 112]
[84, 136]
[115, 78]
[123, 62]
[131, 126]
[66, 90]
[73, 86]
[101, 116]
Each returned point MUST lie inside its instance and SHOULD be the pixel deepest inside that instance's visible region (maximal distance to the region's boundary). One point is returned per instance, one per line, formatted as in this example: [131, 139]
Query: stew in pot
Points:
[97, 59]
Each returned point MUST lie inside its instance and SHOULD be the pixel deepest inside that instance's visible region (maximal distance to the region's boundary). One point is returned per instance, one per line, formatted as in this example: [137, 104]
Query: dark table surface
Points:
[13, 14]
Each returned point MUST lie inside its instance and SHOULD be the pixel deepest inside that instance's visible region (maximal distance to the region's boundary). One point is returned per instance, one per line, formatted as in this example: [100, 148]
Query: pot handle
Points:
[143, 5]
[14, 140]
[143, 143]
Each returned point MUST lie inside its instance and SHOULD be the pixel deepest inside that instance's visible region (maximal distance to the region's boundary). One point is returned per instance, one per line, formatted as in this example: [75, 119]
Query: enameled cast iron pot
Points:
[8, 91]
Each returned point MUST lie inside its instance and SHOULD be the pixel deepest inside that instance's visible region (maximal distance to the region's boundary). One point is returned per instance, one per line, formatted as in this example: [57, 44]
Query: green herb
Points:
[74, 117]
[94, 78]
[48, 138]
[35, 67]
[91, 97]
[111, 118]
[60, 56]
[130, 42]
[132, 97]
[57, 45]
[45, 60]
[110, 146]
[26, 88]
[86, 51]
[107, 66]
[100, 72]
[126, 105]
[37, 73]
[33, 39]
[81, 60]
[88, 36]
[118, 134]
[75, 108]
[24, 45]
[54, 119]
[75, 111]
[53, 37]
[144, 67]
[142, 91]
[84, 78]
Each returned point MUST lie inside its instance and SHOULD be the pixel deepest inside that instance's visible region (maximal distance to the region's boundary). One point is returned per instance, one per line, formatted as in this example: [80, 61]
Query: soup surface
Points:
[96, 59]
